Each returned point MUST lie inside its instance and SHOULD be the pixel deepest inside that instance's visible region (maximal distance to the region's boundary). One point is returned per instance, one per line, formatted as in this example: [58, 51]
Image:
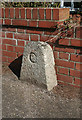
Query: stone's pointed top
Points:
[38, 64]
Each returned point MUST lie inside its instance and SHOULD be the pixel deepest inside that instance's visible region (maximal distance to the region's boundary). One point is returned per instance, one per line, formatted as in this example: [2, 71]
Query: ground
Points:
[26, 100]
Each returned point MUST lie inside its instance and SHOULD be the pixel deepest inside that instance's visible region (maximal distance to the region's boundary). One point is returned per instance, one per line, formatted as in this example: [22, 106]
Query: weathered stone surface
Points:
[38, 64]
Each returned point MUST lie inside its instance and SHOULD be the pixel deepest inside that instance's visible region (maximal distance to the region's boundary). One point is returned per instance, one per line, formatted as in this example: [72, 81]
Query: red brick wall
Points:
[68, 60]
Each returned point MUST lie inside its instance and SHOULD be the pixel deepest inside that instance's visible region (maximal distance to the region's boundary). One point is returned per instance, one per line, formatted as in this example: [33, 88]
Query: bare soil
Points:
[26, 100]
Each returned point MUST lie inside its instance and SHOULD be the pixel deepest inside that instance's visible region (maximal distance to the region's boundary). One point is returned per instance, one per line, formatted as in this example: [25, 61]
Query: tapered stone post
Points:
[38, 64]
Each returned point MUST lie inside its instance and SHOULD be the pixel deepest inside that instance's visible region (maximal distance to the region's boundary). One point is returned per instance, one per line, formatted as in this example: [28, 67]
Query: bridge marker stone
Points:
[38, 64]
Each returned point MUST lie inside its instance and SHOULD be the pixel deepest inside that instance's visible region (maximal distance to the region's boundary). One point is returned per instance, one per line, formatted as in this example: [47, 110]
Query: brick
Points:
[10, 48]
[19, 49]
[20, 30]
[56, 54]
[44, 38]
[62, 27]
[16, 12]
[0, 53]
[3, 47]
[41, 13]
[11, 29]
[48, 14]
[63, 83]
[22, 13]
[11, 12]
[19, 22]
[76, 18]
[51, 33]
[70, 33]
[55, 14]
[63, 55]
[2, 12]
[34, 37]
[75, 73]
[76, 58]
[10, 59]
[9, 35]
[33, 23]
[64, 13]
[63, 70]
[1, 21]
[35, 13]
[63, 35]
[65, 78]
[8, 41]
[78, 51]
[8, 21]
[4, 29]
[46, 24]
[34, 32]
[28, 13]
[3, 34]
[79, 66]
[4, 59]
[78, 32]
[0, 40]
[9, 54]
[64, 63]
[0, 46]
[78, 81]
[58, 13]
[76, 42]
[69, 50]
[6, 12]
[64, 41]
[21, 43]
[0, 34]
[21, 36]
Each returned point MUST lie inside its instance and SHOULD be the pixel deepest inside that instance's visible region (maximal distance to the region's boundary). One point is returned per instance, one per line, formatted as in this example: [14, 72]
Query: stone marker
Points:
[38, 64]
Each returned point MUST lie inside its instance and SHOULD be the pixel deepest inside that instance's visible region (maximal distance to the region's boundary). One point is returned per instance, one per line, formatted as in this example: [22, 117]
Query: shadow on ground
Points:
[15, 66]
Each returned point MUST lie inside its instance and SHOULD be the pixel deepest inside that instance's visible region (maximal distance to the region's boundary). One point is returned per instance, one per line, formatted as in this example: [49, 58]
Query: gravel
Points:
[27, 100]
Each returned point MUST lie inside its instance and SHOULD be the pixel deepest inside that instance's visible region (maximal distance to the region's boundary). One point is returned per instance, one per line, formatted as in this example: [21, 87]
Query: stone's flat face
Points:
[38, 64]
